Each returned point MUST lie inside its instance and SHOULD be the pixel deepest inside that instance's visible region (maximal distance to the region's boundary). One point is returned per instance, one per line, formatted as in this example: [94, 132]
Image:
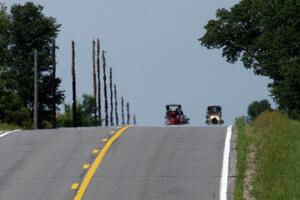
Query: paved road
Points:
[42, 165]
[143, 164]
[161, 164]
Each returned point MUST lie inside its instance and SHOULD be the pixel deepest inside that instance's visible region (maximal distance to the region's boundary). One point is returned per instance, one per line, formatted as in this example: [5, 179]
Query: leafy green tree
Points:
[89, 107]
[258, 107]
[11, 109]
[30, 29]
[85, 113]
[265, 36]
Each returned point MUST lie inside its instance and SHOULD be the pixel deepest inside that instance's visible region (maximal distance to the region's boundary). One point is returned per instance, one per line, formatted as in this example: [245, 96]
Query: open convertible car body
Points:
[174, 115]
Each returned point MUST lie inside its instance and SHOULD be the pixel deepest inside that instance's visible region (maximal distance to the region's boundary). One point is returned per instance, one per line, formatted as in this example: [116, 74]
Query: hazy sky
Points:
[156, 59]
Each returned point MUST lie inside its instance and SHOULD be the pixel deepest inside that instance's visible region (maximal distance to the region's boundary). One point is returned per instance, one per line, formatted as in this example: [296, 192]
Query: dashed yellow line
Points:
[74, 186]
[104, 140]
[85, 166]
[95, 151]
[89, 175]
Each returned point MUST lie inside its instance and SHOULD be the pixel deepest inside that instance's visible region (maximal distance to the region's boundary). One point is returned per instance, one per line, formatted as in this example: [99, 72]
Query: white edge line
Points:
[6, 133]
[225, 165]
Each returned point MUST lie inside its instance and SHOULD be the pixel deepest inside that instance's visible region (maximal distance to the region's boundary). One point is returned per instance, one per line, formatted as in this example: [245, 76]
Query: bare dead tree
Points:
[99, 83]
[53, 84]
[105, 89]
[128, 113]
[74, 106]
[134, 120]
[111, 98]
[116, 105]
[122, 111]
[94, 83]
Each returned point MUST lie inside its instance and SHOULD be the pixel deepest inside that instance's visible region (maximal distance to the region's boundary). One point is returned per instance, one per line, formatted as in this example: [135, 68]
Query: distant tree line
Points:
[265, 36]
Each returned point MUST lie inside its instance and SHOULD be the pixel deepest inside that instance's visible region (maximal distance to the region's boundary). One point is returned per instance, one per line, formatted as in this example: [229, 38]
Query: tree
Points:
[256, 108]
[29, 29]
[265, 36]
[85, 113]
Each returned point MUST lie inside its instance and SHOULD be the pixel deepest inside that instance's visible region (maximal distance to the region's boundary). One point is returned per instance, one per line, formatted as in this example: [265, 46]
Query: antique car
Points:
[214, 115]
[174, 115]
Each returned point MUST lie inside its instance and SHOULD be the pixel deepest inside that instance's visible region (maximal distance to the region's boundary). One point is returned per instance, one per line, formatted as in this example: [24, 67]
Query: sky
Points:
[153, 49]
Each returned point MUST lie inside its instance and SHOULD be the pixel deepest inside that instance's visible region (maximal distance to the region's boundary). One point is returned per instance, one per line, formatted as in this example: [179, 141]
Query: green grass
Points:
[277, 143]
[7, 127]
[241, 146]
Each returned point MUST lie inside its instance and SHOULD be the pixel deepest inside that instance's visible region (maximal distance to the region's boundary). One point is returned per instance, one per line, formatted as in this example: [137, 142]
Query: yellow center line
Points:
[74, 186]
[95, 151]
[89, 175]
[85, 166]
[104, 140]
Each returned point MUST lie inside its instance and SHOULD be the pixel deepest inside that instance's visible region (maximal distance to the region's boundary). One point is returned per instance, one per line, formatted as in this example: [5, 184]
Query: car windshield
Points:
[173, 108]
[214, 109]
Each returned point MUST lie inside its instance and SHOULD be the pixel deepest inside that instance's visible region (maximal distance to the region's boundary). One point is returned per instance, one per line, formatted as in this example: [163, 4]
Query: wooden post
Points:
[74, 106]
[53, 84]
[105, 89]
[36, 106]
[111, 98]
[99, 83]
[94, 84]
[116, 105]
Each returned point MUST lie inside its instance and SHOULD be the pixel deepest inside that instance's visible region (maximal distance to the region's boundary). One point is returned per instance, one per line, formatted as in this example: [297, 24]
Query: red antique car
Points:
[174, 115]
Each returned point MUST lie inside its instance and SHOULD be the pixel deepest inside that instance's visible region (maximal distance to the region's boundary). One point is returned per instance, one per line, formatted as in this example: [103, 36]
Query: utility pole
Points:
[128, 113]
[116, 105]
[94, 84]
[74, 106]
[36, 89]
[122, 111]
[105, 89]
[111, 97]
[134, 120]
[53, 84]
[99, 83]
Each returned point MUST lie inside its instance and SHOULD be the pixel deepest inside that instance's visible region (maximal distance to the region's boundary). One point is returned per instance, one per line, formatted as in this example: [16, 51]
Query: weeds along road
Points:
[140, 163]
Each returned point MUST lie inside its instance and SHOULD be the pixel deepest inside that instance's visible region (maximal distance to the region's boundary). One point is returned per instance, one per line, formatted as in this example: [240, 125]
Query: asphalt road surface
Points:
[171, 163]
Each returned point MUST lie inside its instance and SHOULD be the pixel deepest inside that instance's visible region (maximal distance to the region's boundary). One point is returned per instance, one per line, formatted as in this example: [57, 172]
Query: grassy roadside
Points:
[241, 146]
[7, 127]
[277, 157]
